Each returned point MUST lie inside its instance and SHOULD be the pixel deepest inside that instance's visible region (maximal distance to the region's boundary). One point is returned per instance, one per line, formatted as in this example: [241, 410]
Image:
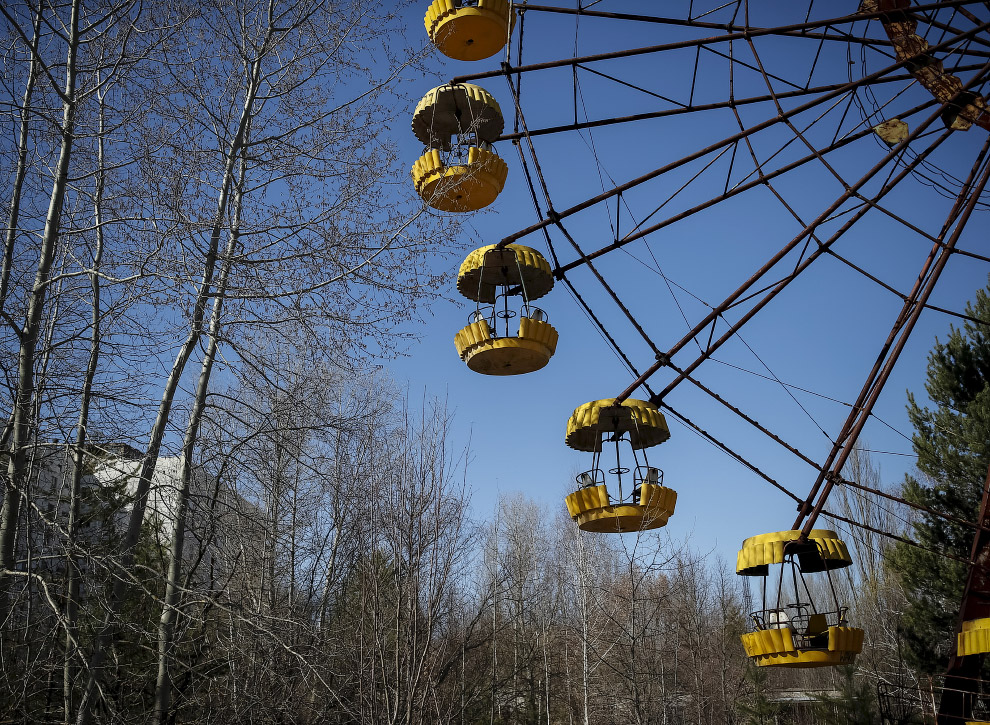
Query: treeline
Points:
[331, 574]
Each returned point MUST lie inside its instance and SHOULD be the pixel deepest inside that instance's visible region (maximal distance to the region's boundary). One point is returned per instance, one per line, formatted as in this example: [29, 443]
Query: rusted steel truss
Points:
[894, 344]
[899, 25]
[783, 115]
[740, 34]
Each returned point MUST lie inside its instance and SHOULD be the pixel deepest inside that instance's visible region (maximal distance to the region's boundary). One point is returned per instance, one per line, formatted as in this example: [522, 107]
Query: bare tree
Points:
[29, 333]
[290, 191]
[875, 596]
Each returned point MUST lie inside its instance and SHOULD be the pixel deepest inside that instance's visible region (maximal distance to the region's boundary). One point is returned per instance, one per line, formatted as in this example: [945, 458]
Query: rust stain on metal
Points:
[963, 109]
[892, 132]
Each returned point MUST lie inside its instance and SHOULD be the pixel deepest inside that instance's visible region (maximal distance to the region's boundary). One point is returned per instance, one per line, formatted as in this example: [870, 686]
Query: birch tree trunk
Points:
[20, 171]
[166, 628]
[30, 331]
[79, 451]
[144, 478]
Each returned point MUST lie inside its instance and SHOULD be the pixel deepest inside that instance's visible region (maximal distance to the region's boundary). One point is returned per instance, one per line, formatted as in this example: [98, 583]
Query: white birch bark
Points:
[166, 628]
[29, 333]
[78, 454]
[13, 216]
[204, 293]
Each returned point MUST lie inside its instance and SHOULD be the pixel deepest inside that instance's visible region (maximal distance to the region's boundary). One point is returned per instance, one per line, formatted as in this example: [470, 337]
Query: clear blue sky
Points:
[822, 334]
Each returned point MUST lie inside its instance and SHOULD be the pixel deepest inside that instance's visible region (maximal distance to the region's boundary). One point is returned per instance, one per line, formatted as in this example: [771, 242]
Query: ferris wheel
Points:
[706, 176]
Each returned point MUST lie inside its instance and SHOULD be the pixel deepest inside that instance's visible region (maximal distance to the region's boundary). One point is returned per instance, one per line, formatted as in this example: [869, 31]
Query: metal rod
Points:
[758, 181]
[916, 506]
[728, 302]
[710, 26]
[551, 213]
[894, 12]
[702, 107]
[861, 411]
[876, 374]
[895, 537]
[739, 35]
[725, 449]
[752, 421]
[773, 290]
[818, 252]
[724, 142]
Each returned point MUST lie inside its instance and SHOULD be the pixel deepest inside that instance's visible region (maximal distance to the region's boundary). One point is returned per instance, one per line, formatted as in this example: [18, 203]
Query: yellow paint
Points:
[775, 648]
[758, 552]
[460, 188]
[591, 509]
[974, 638]
[487, 268]
[642, 420]
[530, 351]
[456, 108]
[469, 33]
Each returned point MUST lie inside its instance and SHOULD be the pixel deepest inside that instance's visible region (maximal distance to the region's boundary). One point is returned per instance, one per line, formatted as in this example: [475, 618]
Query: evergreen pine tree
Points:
[952, 442]
[758, 708]
[855, 703]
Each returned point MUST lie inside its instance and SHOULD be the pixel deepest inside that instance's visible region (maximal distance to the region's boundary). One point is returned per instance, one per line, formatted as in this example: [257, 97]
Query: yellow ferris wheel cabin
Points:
[608, 498]
[792, 629]
[491, 343]
[459, 170]
[465, 30]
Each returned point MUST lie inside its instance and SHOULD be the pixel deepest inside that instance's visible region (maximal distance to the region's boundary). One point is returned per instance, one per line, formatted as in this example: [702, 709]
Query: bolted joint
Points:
[797, 546]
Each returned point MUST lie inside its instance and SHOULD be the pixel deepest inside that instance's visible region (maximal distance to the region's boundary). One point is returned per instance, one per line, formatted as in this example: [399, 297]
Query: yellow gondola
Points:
[797, 634]
[465, 30]
[492, 274]
[467, 186]
[459, 170]
[648, 504]
[974, 638]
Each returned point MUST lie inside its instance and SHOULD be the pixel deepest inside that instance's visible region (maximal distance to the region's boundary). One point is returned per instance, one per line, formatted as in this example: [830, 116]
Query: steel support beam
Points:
[852, 85]
[695, 42]
[891, 350]
[720, 105]
[738, 294]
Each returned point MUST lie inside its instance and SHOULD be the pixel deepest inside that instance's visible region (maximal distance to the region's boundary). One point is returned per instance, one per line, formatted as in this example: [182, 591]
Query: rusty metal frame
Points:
[740, 34]
[916, 301]
[776, 288]
[900, 331]
[962, 675]
[840, 90]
